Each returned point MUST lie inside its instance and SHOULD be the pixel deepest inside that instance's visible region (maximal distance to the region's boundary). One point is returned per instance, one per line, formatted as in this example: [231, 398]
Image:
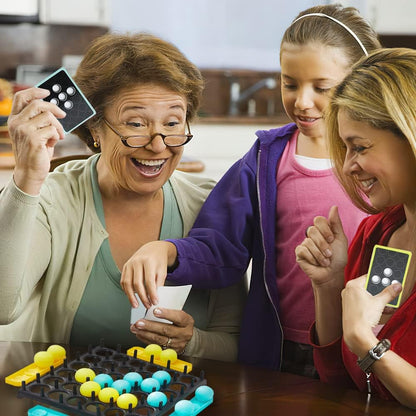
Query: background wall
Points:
[214, 33]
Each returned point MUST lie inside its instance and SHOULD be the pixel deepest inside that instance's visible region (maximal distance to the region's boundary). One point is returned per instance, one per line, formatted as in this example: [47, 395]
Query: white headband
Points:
[340, 23]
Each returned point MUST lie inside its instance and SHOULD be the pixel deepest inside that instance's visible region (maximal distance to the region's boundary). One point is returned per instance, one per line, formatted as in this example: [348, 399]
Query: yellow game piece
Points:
[89, 387]
[168, 355]
[84, 374]
[43, 359]
[30, 372]
[177, 365]
[106, 394]
[58, 352]
[153, 349]
[126, 399]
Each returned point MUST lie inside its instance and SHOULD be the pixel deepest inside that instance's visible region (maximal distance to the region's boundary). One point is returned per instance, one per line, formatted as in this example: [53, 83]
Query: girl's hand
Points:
[175, 335]
[362, 311]
[34, 129]
[323, 254]
[146, 270]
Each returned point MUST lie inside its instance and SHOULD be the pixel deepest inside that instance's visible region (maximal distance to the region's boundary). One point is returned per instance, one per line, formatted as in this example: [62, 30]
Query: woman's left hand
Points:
[175, 335]
[362, 311]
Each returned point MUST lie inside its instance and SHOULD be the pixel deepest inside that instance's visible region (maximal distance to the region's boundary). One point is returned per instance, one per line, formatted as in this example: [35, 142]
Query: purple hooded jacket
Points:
[236, 224]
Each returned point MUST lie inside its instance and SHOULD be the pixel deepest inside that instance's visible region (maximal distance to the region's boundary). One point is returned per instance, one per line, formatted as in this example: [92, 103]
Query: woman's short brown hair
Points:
[116, 62]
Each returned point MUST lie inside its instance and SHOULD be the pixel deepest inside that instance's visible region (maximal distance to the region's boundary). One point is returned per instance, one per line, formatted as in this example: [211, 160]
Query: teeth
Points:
[368, 182]
[307, 119]
[150, 162]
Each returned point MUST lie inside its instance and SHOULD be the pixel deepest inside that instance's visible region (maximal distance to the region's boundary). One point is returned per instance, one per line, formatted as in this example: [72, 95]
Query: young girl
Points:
[261, 207]
[373, 144]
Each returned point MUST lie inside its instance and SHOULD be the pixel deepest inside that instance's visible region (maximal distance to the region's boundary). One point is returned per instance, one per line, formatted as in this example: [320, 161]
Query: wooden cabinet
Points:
[263, 102]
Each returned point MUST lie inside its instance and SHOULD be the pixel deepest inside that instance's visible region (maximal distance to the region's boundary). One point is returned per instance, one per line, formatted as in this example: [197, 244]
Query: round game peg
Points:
[43, 359]
[125, 400]
[84, 374]
[156, 398]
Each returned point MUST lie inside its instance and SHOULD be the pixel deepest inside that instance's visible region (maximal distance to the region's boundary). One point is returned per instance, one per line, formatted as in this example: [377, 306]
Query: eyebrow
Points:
[139, 107]
[315, 79]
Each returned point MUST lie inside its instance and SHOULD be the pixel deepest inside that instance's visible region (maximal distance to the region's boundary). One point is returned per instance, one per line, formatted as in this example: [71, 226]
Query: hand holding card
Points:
[170, 297]
[69, 98]
[387, 266]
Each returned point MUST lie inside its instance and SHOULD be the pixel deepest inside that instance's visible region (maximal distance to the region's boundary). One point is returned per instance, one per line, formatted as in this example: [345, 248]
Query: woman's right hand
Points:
[323, 254]
[34, 129]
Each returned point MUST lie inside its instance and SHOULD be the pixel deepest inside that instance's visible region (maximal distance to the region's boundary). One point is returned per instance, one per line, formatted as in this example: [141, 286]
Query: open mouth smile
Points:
[149, 167]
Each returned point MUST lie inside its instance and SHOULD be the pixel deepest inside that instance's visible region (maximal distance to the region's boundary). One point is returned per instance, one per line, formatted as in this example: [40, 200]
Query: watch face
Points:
[381, 347]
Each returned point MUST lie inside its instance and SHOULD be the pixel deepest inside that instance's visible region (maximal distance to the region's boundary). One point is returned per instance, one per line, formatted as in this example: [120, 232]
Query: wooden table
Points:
[239, 390]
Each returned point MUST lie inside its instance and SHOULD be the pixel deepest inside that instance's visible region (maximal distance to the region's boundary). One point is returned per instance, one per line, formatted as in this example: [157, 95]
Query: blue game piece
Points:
[43, 411]
[204, 396]
[150, 384]
[184, 408]
[122, 386]
[133, 378]
[104, 380]
[155, 398]
[162, 376]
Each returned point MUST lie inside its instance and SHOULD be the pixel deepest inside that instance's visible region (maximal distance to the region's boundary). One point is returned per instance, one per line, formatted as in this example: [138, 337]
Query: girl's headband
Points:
[340, 23]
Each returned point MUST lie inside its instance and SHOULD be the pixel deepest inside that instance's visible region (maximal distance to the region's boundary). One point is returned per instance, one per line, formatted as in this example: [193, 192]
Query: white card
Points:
[170, 297]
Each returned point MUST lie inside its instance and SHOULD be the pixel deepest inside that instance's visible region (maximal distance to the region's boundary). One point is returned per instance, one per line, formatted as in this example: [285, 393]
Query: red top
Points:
[334, 362]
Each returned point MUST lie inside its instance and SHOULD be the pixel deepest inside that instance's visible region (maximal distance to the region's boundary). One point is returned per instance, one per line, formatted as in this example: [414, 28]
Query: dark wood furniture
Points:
[239, 390]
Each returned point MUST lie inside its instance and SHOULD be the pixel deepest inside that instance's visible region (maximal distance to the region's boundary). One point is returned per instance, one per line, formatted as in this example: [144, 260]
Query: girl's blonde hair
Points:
[380, 91]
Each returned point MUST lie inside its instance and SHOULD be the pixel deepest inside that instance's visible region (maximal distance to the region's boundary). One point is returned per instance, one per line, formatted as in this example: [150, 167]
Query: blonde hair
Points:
[380, 91]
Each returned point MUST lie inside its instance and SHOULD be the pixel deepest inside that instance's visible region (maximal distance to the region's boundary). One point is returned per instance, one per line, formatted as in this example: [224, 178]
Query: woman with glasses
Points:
[67, 235]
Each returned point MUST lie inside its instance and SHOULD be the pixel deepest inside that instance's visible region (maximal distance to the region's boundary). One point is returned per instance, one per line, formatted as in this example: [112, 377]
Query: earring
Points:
[96, 144]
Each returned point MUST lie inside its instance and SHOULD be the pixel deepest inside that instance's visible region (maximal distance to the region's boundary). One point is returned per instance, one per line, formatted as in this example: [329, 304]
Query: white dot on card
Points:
[385, 281]
[68, 105]
[375, 279]
[56, 88]
[387, 272]
[54, 101]
[70, 90]
[62, 96]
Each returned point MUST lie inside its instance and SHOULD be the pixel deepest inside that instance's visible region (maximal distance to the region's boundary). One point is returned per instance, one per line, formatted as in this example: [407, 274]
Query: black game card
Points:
[67, 96]
[388, 265]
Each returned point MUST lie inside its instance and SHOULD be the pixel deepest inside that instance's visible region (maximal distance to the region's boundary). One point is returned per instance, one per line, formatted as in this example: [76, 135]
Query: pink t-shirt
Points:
[302, 195]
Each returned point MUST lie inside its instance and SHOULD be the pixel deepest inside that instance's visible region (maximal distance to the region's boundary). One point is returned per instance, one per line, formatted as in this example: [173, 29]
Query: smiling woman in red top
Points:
[372, 130]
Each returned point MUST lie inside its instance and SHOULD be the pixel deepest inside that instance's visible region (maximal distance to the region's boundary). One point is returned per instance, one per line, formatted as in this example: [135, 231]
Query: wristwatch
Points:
[374, 355]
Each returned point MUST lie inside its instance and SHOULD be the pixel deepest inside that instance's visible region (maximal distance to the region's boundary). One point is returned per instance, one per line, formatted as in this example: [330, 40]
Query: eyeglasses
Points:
[170, 140]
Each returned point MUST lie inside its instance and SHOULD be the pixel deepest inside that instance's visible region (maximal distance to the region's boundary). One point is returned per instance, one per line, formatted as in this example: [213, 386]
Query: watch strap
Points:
[373, 355]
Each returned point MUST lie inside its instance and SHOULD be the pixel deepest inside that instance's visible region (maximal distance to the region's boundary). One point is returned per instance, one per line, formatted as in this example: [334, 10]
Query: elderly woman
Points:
[66, 235]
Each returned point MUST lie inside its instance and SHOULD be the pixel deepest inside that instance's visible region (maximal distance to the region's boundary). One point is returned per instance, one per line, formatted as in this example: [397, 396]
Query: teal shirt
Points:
[103, 295]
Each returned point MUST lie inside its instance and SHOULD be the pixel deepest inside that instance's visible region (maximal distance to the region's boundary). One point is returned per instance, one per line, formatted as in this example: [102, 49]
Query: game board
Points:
[106, 382]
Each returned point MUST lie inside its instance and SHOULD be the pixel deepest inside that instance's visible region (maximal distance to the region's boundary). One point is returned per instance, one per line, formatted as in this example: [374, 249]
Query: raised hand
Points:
[323, 253]
[34, 129]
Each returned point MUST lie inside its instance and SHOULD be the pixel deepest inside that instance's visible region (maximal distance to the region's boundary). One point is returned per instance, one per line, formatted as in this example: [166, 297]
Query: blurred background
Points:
[235, 43]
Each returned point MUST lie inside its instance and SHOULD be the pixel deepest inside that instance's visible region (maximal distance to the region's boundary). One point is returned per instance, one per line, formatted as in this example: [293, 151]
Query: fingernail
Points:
[139, 324]
[328, 252]
[330, 239]
[157, 311]
[397, 287]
